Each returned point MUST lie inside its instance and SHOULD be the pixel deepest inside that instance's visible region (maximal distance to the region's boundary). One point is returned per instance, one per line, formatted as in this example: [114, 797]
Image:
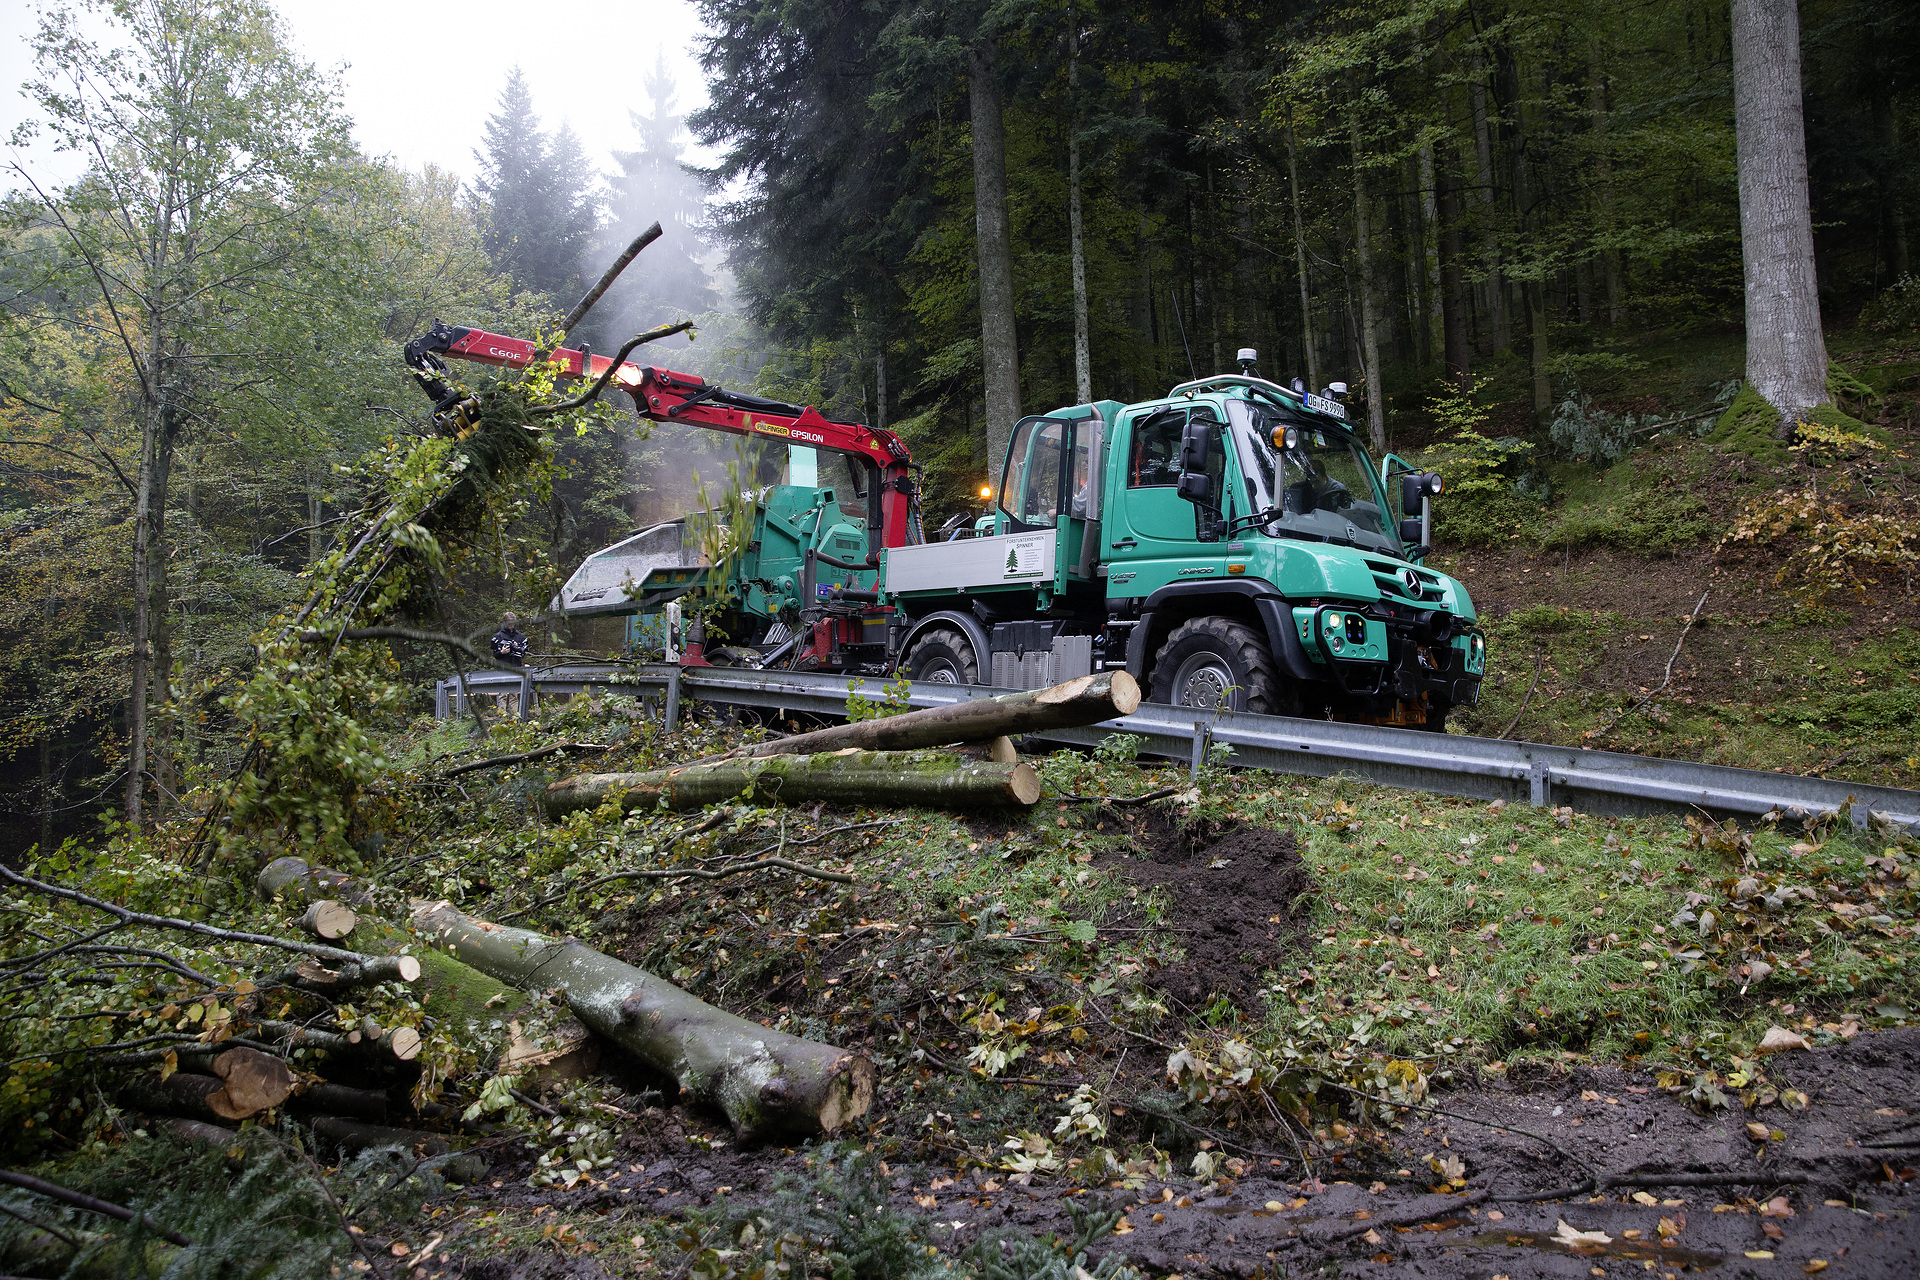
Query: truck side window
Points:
[1153, 459]
[1035, 458]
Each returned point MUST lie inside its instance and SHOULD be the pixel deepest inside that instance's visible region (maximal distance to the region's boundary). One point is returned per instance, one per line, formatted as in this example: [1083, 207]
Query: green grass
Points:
[1807, 692]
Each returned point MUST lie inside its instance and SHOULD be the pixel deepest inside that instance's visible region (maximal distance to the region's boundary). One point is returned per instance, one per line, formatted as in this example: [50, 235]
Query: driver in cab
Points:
[1315, 490]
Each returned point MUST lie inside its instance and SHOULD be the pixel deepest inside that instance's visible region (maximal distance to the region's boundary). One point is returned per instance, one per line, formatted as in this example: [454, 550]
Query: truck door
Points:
[1151, 523]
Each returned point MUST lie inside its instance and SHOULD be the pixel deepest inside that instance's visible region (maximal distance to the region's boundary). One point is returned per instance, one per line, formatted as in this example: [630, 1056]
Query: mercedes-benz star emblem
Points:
[1412, 580]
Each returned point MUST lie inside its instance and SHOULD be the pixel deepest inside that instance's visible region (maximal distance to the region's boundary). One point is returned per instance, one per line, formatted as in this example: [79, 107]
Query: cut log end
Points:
[405, 1043]
[329, 919]
[1001, 751]
[409, 968]
[851, 1094]
[254, 1082]
[1126, 693]
[1024, 784]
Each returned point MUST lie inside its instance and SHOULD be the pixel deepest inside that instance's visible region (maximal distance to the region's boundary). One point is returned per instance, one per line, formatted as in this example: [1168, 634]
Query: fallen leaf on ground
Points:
[1778, 1039]
[1564, 1234]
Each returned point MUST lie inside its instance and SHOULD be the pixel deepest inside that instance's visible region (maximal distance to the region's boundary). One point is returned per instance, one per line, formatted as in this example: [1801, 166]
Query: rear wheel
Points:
[943, 657]
[1210, 663]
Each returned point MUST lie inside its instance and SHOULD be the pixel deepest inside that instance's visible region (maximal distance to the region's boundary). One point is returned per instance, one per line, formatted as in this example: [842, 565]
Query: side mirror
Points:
[1196, 442]
[1410, 531]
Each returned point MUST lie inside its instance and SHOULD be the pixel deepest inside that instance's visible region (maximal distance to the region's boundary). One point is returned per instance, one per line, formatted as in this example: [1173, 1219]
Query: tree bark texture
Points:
[767, 1082]
[933, 779]
[999, 352]
[1786, 351]
[1082, 700]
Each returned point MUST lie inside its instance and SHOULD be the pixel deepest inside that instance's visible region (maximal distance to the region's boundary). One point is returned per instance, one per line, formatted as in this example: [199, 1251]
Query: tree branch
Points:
[1606, 728]
[80, 1200]
[187, 926]
[501, 762]
[587, 397]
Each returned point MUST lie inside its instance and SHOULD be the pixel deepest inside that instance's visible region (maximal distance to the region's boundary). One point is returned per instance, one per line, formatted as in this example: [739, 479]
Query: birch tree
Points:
[207, 146]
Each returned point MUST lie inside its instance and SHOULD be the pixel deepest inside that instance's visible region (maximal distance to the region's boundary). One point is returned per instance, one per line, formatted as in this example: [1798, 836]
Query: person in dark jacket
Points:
[509, 645]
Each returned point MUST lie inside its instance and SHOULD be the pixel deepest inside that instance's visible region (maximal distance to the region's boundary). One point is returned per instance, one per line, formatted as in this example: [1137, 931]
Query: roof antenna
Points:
[1175, 297]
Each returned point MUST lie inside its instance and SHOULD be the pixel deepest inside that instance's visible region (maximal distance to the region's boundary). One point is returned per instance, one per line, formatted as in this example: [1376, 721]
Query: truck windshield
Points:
[1323, 488]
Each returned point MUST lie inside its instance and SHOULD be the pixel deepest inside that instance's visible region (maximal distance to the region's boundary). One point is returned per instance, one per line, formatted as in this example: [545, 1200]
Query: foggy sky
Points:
[422, 79]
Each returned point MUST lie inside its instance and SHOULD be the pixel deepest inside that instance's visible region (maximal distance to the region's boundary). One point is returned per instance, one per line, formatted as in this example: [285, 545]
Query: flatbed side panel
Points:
[1003, 560]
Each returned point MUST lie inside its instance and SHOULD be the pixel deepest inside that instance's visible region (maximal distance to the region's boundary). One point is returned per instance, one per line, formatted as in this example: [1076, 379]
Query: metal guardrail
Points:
[1604, 782]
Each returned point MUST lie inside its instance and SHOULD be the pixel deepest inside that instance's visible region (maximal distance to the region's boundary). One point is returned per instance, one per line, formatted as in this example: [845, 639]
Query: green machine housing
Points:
[805, 549]
[1231, 544]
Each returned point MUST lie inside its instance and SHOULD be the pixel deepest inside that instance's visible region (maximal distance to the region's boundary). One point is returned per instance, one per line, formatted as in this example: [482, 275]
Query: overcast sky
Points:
[421, 79]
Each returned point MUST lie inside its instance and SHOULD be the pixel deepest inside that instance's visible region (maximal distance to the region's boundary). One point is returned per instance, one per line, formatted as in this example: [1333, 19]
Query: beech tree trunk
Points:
[1300, 259]
[767, 1082]
[1502, 334]
[1082, 700]
[934, 779]
[999, 353]
[1457, 343]
[1082, 351]
[1786, 351]
[1369, 322]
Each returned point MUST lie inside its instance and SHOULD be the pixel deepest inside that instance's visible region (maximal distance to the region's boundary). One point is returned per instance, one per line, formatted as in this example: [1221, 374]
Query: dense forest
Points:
[930, 219]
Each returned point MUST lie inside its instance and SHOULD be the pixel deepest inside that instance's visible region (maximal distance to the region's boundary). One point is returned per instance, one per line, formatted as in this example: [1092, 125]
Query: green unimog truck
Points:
[1231, 544]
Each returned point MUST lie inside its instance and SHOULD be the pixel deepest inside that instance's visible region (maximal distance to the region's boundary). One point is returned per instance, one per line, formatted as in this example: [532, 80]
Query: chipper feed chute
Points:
[636, 575]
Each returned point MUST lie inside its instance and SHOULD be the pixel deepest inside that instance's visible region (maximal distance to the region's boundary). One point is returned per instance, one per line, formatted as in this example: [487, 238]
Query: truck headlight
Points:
[1334, 622]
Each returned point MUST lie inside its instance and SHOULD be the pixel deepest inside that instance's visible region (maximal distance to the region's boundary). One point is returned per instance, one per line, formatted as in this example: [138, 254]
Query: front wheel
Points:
[1217, 663]
[943, 657]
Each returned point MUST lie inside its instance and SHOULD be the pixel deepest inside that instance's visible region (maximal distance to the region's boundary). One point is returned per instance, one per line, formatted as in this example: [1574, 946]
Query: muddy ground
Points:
[1839, 1188]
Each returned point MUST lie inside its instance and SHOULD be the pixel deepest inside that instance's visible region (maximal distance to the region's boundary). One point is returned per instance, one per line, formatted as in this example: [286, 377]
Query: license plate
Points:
[1332, 408]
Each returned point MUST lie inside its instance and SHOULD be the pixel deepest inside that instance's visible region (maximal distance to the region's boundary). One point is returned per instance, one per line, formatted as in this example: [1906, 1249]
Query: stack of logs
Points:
[473, 975]
[903, 760]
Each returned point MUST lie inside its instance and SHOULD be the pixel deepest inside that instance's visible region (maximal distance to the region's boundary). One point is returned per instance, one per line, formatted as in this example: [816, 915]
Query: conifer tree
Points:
[540, 209]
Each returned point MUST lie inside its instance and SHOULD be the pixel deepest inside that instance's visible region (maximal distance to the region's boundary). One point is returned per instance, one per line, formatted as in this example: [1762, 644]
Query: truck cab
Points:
[1232, 545]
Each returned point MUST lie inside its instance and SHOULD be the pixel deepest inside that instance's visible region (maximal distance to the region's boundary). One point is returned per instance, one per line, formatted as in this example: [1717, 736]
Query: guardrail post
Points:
[1542, 784]
[1202, 742]
[439, 699]
[672, 716]
[526, 695]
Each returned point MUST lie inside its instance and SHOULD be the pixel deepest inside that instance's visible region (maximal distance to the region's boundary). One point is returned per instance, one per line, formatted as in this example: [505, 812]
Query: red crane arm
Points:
[666, 396]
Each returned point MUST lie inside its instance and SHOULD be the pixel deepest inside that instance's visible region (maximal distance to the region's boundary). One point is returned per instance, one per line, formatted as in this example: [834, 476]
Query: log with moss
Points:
[452, 993]
[767, 1082]
[933, 779]
[1083, 700]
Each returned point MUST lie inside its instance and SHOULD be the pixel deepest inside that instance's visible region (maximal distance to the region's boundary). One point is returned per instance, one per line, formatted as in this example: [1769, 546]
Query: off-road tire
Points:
[944, 657]
[1227, 654]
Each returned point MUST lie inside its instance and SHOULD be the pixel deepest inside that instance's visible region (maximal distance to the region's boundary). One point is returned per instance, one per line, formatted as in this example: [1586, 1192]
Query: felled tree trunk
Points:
[935, 779]
[1080, 701]
[455, 996]
[244, 1083]
[767, 1082]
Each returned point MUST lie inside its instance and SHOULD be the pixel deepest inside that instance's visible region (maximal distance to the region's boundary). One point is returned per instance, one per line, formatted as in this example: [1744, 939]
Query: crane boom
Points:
[666, 396]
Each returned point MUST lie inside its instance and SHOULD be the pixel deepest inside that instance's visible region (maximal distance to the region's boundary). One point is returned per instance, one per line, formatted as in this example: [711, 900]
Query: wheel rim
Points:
[940, 671]
[1203, 682]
